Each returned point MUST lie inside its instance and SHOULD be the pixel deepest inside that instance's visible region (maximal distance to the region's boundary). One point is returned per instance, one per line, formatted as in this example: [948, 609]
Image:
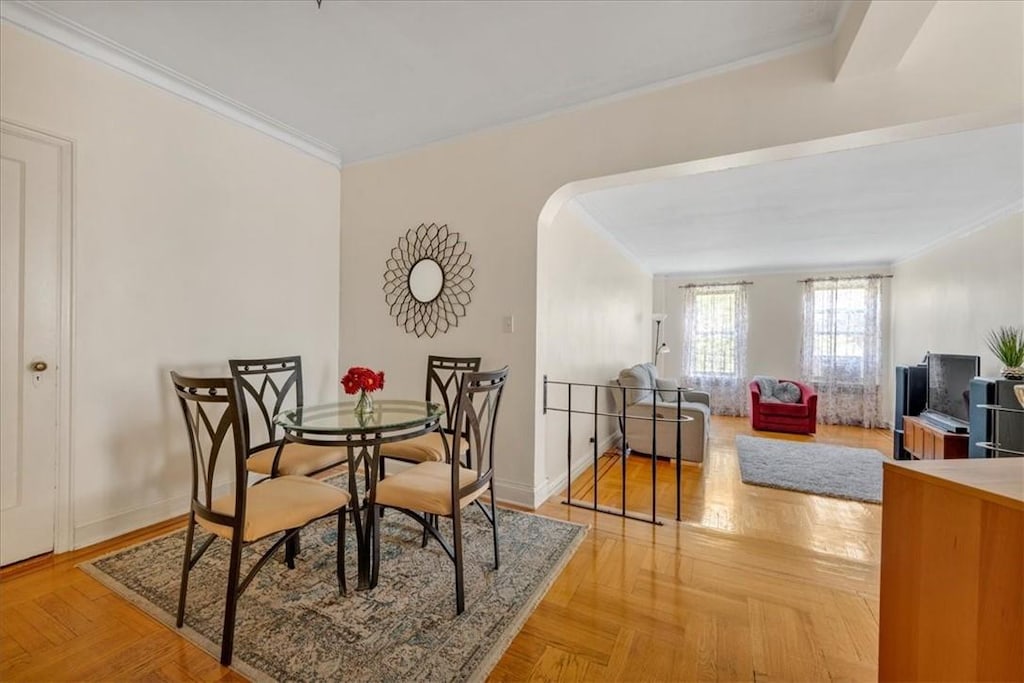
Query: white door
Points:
[31, 195]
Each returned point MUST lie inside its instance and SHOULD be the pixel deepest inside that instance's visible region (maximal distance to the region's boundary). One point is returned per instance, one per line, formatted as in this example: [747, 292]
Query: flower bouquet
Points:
[364, 381]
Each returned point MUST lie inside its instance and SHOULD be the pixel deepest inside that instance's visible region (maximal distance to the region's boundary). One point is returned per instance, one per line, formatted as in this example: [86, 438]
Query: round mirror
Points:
[425, 280]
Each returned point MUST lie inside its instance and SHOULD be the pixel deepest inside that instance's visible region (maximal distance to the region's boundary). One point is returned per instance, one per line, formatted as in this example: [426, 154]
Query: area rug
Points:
[826, 470]
[294, 626]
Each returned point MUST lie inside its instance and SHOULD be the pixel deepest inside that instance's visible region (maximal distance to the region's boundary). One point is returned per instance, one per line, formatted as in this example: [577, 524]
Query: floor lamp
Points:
[660, 347]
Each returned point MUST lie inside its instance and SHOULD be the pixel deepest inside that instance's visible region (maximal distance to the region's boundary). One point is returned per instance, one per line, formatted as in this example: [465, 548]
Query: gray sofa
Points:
[646, 393]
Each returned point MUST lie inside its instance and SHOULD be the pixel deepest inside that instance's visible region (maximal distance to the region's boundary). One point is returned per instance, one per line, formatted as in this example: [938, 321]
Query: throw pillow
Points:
[638, 380]
[667, 390]
[767, 385]
[787, 392]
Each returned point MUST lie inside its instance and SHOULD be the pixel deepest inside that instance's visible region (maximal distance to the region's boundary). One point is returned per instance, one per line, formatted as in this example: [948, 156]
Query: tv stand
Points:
[940, 421]
[925, 441]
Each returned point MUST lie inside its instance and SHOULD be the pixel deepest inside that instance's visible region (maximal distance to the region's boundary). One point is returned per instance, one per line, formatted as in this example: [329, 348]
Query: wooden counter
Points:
[952, 585]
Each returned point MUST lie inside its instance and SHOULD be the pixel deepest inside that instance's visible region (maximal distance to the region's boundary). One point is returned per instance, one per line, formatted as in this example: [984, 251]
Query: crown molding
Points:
[600, 101]
[576, 207]
[965, 230]
[48, 24]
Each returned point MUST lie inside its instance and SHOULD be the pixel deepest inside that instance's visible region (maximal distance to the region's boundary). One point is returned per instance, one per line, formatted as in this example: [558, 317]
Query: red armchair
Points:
[795, 418]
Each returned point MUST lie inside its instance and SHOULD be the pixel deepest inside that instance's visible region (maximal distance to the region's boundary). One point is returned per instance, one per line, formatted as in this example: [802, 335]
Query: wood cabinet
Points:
[926, 442]
[951, 606]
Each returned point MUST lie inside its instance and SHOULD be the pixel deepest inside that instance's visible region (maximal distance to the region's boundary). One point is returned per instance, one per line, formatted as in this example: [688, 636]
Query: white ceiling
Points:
[372, 78]
[869, 206]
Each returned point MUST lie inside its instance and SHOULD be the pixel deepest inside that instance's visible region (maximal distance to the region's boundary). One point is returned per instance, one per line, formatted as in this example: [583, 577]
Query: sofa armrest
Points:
[755, 396]
[693, 396]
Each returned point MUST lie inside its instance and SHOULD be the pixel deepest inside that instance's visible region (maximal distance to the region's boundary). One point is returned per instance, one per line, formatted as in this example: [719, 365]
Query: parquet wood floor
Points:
[753, 584]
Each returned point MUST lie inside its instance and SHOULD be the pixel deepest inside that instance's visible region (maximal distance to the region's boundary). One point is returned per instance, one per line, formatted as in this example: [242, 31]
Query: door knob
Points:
[39, 366]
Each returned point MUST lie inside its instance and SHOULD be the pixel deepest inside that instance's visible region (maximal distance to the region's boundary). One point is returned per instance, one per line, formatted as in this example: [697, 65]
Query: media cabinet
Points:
[927, 442]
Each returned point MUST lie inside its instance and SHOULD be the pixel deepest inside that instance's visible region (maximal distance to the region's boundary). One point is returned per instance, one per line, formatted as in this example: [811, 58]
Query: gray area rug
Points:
[294, 625]
[833, 471]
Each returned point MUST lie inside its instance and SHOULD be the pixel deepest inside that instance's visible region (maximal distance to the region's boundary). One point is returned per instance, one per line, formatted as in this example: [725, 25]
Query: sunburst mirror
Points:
[427, 280]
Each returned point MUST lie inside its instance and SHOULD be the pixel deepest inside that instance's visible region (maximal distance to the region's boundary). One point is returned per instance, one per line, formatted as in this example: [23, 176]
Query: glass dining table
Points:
[337, 424]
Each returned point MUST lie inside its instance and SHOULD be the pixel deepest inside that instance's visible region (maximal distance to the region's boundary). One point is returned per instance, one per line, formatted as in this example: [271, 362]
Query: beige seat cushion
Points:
[425, 487]
[277, 504]
[297, 458]
[427, 447]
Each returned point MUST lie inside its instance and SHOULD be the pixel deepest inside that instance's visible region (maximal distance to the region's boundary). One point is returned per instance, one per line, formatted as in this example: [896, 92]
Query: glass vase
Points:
[364, 404]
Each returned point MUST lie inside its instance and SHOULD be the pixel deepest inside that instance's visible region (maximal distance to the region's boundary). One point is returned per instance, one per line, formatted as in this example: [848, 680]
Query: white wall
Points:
[948, 298]
[195, 239]
[492, 186]
[774, 307]
[593, 319]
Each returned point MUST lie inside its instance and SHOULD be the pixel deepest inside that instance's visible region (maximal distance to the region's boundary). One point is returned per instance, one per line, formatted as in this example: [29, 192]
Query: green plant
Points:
[1007, 344]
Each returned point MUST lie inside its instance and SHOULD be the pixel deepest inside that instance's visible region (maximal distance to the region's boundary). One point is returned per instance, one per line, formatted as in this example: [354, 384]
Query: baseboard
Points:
[506, 491]
[552, 486]
[135, 519]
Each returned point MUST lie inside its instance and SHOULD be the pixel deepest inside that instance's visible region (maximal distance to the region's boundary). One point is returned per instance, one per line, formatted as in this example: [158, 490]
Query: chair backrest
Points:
[212, 418]
[445, 375]
[474, 429]
[265, 385]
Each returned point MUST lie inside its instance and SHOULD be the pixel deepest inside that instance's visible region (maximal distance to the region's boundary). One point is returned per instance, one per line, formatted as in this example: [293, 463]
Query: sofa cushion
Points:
[787, 392]
[667, 410]
[766, 384]
[639, 381]
[667, 390]
[784, 409]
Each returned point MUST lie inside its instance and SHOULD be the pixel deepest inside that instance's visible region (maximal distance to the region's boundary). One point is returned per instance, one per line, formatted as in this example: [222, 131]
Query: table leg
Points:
[362, 511]
[357, 518]
[373, 519]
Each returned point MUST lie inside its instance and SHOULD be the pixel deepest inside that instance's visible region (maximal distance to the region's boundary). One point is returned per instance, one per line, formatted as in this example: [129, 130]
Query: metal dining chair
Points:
[444, 489]
[444, 376]
[281, 505]
[267, 384]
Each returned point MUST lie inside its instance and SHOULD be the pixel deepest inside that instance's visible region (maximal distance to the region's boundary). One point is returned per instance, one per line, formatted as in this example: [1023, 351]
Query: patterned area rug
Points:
[834, 471]
[294, 625]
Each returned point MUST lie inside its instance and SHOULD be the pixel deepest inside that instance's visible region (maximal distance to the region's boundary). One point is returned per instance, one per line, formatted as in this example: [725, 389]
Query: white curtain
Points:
[714, 352]
[840, 354]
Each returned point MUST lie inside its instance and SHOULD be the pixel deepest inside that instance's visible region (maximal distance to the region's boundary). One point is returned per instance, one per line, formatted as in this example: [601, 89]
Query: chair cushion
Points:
[429, 447]
[639, 381]
[784, 409]
[277, 504]
[297, 458]
[787, 392]
[426, 488]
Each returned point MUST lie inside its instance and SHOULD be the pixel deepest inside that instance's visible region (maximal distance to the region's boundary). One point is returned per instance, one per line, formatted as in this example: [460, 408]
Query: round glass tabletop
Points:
[339, 419]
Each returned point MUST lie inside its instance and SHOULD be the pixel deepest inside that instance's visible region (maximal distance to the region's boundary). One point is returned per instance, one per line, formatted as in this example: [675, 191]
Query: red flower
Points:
[359, 378]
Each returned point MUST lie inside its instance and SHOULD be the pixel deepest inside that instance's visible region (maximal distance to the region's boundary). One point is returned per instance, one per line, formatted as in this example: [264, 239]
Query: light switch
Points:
[508, 324]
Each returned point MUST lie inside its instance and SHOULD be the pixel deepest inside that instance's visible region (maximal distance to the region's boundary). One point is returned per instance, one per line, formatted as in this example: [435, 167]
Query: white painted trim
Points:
[506, 491]
[588, 218]
[753, 60]
[51, 25]
[557, 485]
[138, 518]
[834, 269]
[63, 519]
[980, 224]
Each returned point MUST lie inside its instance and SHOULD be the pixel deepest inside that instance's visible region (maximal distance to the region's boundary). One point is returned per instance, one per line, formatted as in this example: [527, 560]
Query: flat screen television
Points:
[949, 384]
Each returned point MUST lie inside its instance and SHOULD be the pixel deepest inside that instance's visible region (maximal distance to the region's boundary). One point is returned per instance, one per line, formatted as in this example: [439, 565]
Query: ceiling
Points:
[366, 79]
[869, 206]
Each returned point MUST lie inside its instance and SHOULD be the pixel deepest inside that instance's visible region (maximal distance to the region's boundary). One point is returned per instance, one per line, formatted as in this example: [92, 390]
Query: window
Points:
[842, 348]
[715, 344]
[714, 333]
[840, 322]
